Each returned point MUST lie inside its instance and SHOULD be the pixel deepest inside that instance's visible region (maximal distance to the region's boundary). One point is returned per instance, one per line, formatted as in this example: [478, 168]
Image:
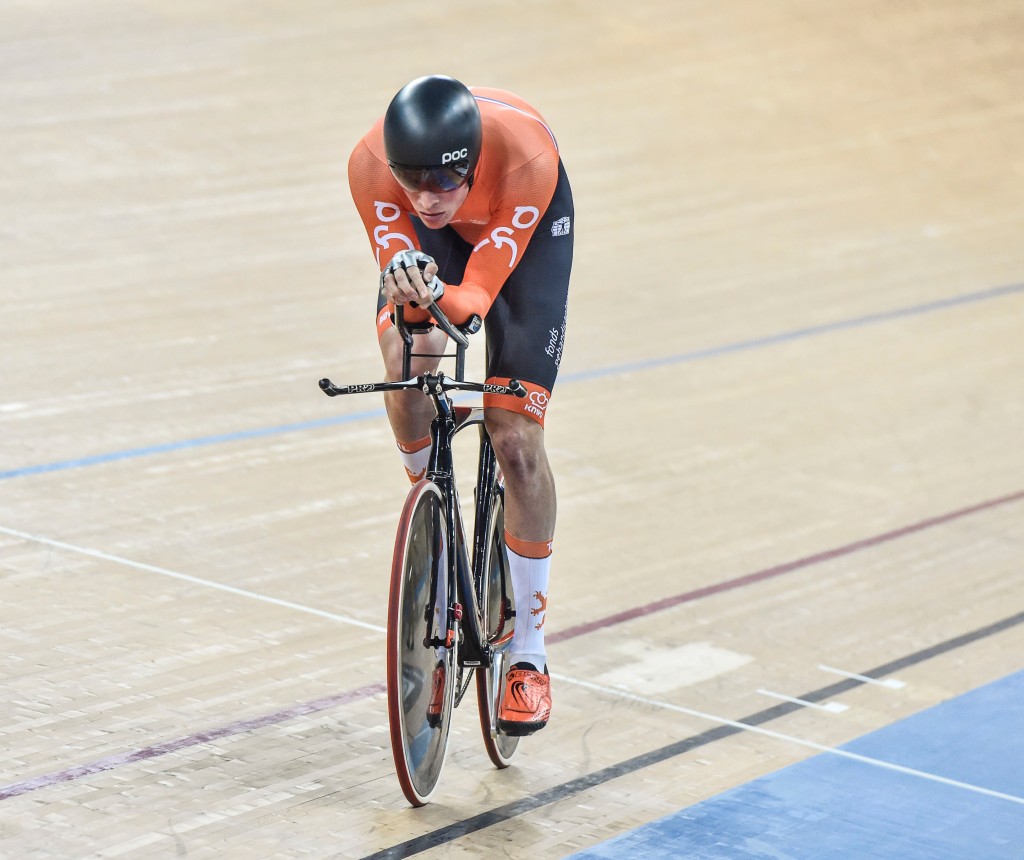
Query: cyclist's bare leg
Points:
[409, 412]
[530, 503]
[529, 526]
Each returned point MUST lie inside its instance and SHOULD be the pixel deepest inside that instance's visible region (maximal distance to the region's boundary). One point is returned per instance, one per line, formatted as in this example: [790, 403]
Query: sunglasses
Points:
[434, 179]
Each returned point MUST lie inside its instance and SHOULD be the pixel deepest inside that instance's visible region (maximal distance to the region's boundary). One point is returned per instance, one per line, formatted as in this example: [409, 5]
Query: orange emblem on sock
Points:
[543, 600]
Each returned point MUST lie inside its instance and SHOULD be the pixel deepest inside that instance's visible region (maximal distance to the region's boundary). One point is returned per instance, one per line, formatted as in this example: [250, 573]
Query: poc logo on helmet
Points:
[454, 155]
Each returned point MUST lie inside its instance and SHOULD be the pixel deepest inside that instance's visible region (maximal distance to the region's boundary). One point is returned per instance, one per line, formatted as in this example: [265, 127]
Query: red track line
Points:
[113, 761]
[771, 572]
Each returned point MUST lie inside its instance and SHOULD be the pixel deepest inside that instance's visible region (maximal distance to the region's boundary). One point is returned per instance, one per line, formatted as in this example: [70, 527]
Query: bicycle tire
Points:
[419, 736]
[497, 601]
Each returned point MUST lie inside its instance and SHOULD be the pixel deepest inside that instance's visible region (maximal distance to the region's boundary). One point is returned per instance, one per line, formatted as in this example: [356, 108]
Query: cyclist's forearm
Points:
[463, 300]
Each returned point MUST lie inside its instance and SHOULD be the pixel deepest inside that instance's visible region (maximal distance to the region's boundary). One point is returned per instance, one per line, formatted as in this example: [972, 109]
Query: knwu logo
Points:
[560, 227]
[538, 403]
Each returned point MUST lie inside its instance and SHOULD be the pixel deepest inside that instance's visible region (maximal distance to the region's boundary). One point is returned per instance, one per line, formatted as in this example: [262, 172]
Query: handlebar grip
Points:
[327, 387]
[517, 388]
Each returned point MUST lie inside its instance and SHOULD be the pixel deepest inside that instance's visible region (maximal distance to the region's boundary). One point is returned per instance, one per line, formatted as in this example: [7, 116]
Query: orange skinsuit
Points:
[513, 184]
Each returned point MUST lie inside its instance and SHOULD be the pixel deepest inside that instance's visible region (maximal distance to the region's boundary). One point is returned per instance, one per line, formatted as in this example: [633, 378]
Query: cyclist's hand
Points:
[410, 278]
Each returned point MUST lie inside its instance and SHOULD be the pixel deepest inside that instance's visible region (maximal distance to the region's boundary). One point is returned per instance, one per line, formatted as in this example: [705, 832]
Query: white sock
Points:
[530, 586]
[415, 457]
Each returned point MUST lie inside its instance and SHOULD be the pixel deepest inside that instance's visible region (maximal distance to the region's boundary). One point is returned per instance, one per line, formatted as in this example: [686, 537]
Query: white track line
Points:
[831, 707]
[195, 580]
[611, 691]
[891, 683]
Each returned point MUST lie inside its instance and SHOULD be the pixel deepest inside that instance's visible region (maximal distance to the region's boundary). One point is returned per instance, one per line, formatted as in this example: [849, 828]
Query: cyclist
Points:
[469, 182]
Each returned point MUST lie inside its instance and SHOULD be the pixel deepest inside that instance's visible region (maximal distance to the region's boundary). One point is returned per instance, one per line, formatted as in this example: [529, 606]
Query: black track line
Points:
[458, 829]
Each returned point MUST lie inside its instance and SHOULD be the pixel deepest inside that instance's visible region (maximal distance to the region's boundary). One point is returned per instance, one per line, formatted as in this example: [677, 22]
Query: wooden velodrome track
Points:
[788, 432]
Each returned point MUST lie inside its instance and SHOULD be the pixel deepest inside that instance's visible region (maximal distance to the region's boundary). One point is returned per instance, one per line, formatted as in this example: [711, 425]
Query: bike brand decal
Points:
[362, 389]
[388, 213]
[523, 218]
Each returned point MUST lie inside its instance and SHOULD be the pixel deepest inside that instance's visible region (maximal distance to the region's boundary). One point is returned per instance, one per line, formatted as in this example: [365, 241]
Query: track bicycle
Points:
[451, 608]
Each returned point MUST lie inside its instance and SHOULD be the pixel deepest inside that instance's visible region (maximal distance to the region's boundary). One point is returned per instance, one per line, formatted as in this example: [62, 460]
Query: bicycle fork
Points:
[452, 590]
[455, 616]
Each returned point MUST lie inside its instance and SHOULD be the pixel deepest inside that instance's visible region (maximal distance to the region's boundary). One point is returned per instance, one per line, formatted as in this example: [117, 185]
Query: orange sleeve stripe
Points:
[527, 548]
[461, 301]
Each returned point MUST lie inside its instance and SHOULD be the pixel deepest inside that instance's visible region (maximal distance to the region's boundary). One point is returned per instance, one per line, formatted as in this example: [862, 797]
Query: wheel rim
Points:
[419, 739]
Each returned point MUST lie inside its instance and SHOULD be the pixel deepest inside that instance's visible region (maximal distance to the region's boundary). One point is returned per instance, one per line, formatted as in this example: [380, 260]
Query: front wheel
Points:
[421, 675]
[497, 602]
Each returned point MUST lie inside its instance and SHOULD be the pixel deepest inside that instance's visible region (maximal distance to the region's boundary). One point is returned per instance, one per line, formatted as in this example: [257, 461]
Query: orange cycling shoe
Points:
[526, 705]
[436, 704]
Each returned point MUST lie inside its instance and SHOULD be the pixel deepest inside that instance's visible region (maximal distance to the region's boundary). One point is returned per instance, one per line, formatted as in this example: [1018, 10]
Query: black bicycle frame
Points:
[463, 574]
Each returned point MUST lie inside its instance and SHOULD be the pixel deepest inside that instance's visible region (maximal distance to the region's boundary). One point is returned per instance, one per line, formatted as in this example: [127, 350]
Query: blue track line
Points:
[579, 376]
[199, 442]
[795, 334]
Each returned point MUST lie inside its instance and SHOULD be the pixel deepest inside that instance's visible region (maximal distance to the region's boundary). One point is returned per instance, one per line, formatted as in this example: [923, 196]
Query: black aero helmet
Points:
[432, 134]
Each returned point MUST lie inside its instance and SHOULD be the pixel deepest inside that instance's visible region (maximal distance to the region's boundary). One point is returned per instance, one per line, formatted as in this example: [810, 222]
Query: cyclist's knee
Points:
[518, 441]
[392, 350]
